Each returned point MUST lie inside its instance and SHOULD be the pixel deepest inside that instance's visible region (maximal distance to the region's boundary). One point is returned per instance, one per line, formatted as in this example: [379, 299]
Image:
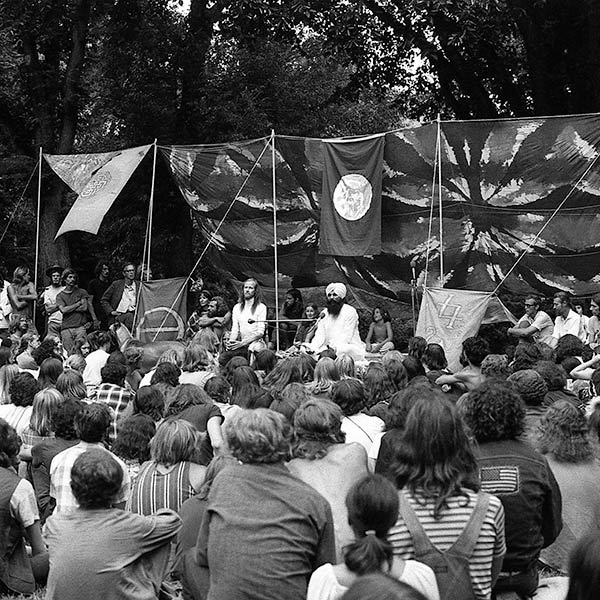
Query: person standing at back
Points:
[96, 288]
[49, 295]
[120, 298]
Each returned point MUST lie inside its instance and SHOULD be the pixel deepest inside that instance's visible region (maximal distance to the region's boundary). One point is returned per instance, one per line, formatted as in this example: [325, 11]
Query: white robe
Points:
[340, 333]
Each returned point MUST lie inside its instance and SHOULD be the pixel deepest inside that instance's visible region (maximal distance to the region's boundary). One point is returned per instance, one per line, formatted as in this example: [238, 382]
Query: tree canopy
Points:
[93, 75]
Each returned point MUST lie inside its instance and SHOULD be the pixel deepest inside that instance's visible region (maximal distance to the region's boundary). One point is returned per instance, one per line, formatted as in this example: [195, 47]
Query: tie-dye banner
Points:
[501, 182]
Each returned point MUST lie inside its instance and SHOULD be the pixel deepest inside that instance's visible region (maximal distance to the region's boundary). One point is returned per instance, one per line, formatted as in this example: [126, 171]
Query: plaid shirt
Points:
[60, 477]
[117, 399]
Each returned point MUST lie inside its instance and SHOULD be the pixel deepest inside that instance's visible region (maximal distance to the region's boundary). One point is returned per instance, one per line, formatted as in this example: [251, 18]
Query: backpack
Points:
[451, 567]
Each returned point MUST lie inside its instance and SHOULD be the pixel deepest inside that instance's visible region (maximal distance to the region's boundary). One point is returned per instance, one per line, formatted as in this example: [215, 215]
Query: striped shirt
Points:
[444, 532]
[154, 489]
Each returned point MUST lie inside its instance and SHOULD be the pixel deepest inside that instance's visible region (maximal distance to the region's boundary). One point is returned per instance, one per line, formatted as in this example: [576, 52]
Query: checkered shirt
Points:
[117, 399]
[60, 477]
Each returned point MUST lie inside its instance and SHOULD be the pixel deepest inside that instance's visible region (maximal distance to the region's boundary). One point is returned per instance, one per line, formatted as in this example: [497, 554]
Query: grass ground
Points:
[37, 595]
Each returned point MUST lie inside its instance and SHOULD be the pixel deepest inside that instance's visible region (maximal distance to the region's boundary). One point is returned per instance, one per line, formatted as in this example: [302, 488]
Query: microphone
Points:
[252, 321]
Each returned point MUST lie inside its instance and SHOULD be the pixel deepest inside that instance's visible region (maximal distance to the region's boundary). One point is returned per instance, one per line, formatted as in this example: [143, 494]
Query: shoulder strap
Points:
[421, 542]
[357, 425]
[465, 544]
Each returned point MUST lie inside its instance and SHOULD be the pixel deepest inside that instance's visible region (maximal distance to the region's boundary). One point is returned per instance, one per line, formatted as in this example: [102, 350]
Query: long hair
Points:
[45, 407]
[326, 375]
[584, 569]
[19, 275]
[564, 433]
[317, 426]
[50, 371]
[194, 358]
[434, 357]
[372, 505]
[70, 385]
[378, 387]
[258, 295]
[285, 372]
[246, 391]
[7, 374]
[435, 457]
[175, 441]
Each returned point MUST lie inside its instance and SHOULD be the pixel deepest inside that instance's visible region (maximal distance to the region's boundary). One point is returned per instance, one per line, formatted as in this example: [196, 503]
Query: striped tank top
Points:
[154, 490]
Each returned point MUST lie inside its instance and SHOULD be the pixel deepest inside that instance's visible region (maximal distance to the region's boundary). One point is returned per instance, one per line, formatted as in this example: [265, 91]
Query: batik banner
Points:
[448, 317]
[351, 201]
[98, 179]
[161, 313]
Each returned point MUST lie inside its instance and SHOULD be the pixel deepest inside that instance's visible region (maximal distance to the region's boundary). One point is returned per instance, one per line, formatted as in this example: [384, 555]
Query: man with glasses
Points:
[535, 324]
[119, 300]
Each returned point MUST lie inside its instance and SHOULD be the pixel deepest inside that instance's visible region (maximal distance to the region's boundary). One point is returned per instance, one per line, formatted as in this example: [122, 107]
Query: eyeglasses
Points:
[529, 304]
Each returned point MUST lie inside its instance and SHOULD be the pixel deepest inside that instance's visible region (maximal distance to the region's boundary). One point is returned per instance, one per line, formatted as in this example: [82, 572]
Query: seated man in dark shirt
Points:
[519, 476]
[264, 531]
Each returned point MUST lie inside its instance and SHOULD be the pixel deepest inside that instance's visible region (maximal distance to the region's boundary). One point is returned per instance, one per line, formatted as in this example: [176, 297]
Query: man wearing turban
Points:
[337, 328]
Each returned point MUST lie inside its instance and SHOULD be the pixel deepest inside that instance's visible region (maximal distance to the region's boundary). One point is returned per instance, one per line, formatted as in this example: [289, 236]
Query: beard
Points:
[334, 307]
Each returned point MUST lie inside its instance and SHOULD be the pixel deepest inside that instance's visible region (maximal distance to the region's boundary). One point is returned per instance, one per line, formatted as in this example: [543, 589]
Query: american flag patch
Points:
[500, 479]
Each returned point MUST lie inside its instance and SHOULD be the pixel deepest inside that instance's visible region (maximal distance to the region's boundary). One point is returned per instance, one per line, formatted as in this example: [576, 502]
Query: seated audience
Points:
[345, 366]
[91, 426]
[132, 445]
[193, 404]
[65, 436]
[474, 350]
[194, 579]
[98, 551]
[49, 372]
[7, 374]
[286, 371]
[264, 531]
[94, 362]
[325, 462]
[70, 385]
[290, 399]
[246, 391]
[325, 377]
[171, 476]
[519, 476]
[150, 401]
[219, 390]
[564, 441]
[532, 388]
[113, 393]
[434, 463]
[372, 507]
[19, 523]
[359, 427]
[22, 390]
[29, 342]
[556, 382]
[379, 586]
[195, 366]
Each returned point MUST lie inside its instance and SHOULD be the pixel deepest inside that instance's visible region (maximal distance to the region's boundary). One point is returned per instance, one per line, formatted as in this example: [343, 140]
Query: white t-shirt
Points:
[543, 323]
[362, 429]
[323, 584]
[49, 298]
[94, 362]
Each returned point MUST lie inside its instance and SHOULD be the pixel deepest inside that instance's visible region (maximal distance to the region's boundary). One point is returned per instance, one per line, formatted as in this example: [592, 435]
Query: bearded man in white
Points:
[338, 326]
[248, 323]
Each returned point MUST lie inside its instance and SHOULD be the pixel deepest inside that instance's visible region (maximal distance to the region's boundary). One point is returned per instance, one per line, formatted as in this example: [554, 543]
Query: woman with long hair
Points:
[380, 338]
[70, 385]
[372, 507]
[246, 391]
[7, 374]
[285, 372]
[584, 569]
[378, 390]
[170, 477]
[564, 440]
[45, 406]
[196, 365]
[325, 377]
[306, 330]
[434, 463]
[50, 371]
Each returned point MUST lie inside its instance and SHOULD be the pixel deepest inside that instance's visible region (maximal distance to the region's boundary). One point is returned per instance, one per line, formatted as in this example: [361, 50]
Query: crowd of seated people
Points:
[316, 474]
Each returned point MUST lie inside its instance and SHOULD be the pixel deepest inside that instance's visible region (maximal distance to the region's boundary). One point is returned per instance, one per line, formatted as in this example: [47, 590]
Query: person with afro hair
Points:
[514, 472]
[533, 389]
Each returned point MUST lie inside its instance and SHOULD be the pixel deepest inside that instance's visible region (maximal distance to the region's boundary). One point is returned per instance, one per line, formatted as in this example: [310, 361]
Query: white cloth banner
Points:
[98, 179]
[448, 317]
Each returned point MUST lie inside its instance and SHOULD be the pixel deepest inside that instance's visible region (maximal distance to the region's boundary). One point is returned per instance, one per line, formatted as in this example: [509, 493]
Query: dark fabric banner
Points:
[501, 183]
[351, 200]
[161, 313]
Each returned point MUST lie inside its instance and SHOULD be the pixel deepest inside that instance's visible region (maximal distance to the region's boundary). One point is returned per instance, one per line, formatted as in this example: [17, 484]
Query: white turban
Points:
[336, 288]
